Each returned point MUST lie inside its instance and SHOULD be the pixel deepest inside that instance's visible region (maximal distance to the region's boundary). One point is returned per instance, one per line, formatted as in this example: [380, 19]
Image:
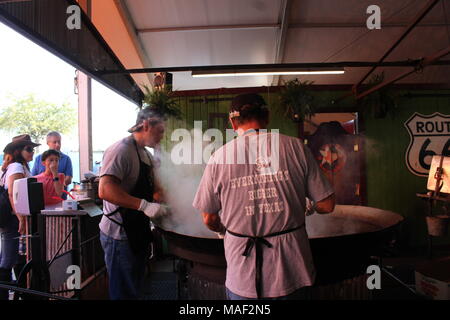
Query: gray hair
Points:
[53, 134]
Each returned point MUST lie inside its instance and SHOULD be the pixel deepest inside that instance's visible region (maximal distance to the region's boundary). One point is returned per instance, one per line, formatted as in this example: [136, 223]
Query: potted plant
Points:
[296, 100]
[162, 100]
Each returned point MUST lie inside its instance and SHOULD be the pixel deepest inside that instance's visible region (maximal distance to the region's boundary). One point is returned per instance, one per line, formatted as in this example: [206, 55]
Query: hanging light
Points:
[265, 72]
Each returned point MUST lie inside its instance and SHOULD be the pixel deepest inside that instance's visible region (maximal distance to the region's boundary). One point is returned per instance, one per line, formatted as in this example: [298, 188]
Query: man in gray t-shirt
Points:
[127, 188]
[260, 182]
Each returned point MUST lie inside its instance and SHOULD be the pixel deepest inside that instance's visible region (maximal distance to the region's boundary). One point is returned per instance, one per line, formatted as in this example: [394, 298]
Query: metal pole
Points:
[33, 292]
[425, 62]
[410, 27]
[261, 67]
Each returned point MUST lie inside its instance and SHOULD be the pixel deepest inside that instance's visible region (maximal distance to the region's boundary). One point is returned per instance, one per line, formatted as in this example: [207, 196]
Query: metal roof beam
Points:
[132, 31]
[423, 63]
[292, 25]
[422, 13]
[344, 64]
[210, 28]
[281, 40]
[361, 25]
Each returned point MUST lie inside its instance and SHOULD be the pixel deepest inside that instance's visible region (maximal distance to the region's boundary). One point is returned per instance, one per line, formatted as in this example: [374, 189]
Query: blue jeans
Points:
[299, 294]
[125, 269]
[9, 250]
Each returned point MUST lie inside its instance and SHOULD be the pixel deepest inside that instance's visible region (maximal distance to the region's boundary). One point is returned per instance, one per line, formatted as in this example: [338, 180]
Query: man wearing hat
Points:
[17, 154]
[262, 202]
[127, 187]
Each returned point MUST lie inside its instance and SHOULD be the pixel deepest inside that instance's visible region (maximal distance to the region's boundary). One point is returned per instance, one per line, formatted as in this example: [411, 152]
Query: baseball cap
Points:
[146, 114]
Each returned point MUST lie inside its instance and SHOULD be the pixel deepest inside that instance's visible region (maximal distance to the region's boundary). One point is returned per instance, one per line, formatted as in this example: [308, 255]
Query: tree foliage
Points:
[37, 117]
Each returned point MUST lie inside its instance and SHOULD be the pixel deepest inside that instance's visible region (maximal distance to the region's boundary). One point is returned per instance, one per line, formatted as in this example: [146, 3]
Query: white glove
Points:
[153, 210]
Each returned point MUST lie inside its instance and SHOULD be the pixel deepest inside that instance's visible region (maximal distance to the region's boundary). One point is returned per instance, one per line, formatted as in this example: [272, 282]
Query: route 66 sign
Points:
[430, 135]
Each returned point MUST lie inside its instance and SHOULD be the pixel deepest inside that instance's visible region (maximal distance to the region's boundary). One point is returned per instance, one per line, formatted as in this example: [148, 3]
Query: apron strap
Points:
[108, 215]
[257, 243]
[1, 179]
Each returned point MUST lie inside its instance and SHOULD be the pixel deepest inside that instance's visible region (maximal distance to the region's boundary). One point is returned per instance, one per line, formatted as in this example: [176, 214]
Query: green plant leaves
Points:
[163, 101]
[296, 99]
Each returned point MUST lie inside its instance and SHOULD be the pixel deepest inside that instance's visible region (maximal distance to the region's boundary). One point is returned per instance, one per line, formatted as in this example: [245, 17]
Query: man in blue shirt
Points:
[65, 164]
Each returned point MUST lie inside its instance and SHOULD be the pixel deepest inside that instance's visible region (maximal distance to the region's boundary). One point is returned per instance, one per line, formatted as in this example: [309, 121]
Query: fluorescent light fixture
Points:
[264, 72]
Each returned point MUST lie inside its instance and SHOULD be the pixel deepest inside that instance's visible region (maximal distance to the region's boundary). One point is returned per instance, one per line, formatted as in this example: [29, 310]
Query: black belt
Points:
[257, 242]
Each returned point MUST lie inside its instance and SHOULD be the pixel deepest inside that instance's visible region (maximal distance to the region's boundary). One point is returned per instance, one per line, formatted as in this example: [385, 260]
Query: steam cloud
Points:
[180, 183]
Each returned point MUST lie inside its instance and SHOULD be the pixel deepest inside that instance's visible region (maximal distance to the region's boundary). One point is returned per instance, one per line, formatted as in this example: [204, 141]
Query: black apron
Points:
[257, 243]
[135, 223]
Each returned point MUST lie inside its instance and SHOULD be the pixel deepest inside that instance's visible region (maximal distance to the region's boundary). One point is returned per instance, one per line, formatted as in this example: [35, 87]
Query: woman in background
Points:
[17, 154]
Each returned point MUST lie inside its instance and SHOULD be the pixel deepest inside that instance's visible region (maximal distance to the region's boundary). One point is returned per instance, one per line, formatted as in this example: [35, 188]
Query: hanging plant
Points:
[296, 100]
[162, 101]
[381, 102]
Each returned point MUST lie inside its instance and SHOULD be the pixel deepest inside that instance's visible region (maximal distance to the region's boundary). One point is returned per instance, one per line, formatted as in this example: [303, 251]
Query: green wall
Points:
[194, 110]
[390, 185]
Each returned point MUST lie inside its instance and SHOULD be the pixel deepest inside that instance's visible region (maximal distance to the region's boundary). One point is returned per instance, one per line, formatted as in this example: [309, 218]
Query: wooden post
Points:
[84, 122]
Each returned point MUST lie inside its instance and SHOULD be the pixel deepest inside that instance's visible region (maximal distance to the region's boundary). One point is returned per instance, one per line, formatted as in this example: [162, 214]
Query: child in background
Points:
[53, 182]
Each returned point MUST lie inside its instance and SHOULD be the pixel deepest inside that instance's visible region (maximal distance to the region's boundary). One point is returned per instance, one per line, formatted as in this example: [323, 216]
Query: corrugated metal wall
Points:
[57, 229]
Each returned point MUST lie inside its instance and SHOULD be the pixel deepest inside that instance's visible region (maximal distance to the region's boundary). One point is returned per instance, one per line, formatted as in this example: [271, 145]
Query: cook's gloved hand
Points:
[153, 210]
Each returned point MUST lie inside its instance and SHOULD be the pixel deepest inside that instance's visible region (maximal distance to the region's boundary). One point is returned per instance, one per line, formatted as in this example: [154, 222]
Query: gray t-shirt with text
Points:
[259, 198]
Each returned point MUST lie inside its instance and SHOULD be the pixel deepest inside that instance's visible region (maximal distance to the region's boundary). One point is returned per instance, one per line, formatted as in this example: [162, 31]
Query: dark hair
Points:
[249, 106]
[153, 116]
[14, 155]
[50, 152]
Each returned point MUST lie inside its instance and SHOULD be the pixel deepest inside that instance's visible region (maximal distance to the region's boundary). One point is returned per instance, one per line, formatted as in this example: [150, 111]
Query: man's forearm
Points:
[113, 193]
[326, 205]
[67, 180]
[212, 221]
